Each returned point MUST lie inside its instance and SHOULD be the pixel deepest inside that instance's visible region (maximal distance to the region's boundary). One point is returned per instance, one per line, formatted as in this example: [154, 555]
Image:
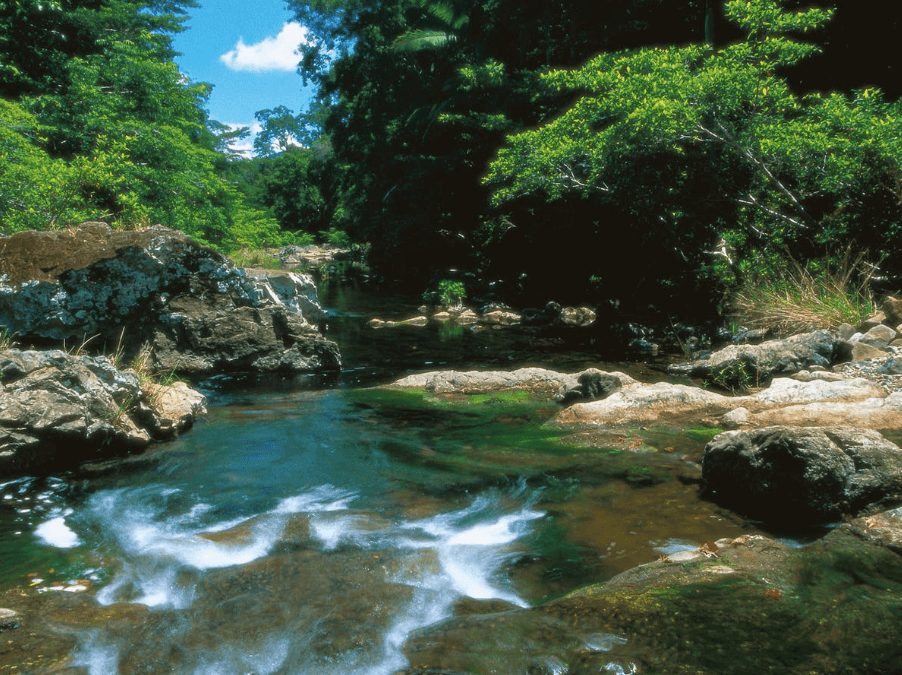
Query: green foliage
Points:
[451, 292]
[335, 237]
[688, 146]
[448, 293]
[103, 126]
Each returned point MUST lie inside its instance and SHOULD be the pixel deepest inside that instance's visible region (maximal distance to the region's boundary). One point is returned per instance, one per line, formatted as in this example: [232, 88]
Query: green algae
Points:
[504, 433]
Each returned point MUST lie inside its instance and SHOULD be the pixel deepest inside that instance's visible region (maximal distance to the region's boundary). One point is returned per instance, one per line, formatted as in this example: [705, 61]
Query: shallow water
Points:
[308, 526]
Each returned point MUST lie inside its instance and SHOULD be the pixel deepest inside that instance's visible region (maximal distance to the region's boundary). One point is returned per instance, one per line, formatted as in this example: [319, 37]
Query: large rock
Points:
[638, 402]
[646, 403]
[790, 476]
[58, 409]
[749, 365]
[539, 380]
[158, 288]
[744, 605]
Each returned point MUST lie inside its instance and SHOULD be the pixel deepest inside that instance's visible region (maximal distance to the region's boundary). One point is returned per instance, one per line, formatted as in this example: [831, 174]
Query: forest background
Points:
[652, 153]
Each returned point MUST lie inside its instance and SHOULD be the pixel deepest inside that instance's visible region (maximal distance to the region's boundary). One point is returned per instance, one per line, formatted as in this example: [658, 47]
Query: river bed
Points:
[309, 524]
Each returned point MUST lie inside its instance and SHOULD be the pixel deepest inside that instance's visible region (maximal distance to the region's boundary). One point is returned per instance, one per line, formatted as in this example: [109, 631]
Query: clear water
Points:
[295, 531]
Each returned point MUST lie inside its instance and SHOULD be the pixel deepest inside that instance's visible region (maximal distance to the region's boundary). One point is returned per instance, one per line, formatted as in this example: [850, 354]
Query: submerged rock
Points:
[58, 410]
[9, 619]
[158, 289]
[743, 605]
[790, 476]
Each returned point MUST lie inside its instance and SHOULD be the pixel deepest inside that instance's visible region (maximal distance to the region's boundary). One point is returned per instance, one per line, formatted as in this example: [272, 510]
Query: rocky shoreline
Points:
[157, 304]
[803, 434]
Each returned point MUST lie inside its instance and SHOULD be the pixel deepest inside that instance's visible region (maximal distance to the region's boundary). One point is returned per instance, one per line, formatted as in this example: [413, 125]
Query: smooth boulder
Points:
[791, 476]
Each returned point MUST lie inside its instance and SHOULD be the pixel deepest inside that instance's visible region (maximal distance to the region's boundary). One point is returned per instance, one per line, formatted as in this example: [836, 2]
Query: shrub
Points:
[822, 294]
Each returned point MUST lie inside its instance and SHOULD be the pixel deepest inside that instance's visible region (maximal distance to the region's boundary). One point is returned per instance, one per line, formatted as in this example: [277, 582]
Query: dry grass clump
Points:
[801, 299]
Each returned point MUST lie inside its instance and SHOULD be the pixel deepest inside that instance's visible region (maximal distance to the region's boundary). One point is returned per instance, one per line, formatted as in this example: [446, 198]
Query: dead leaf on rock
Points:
[709, 548]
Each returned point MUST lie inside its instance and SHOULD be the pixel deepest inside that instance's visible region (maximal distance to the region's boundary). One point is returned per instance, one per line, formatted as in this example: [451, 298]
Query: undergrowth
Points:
[808, 297]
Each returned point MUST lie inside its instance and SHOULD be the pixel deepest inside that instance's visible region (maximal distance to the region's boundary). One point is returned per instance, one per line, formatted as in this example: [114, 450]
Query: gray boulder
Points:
[749, 365]
[801, 476]
[58, 410]
[158, 289]
[591, 385]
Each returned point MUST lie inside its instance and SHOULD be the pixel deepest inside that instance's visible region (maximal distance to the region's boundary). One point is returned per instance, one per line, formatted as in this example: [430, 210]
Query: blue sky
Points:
[246, 51]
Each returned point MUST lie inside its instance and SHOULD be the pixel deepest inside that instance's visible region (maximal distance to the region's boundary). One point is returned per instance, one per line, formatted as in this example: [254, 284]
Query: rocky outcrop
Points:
[791, 475]
[539, 380]
[786, 399]
[742, 366]
[498, 316]
[646, 403]
[158, 289]
[58, 410]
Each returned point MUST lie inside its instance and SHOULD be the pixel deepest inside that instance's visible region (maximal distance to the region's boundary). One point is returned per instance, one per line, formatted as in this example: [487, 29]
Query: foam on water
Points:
[156, 543]
[56, 533]
[164, 552]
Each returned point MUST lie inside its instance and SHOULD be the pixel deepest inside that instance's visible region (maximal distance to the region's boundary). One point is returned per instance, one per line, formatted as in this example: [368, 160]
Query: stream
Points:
[307, 525]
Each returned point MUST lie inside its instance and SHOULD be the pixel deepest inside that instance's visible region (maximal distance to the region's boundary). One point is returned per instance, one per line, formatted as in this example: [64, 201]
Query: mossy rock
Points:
[748, 605]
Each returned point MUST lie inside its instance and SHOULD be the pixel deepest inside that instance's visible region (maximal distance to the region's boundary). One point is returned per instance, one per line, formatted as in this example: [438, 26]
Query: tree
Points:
[674, 148]
[100, 124]
[281, 130]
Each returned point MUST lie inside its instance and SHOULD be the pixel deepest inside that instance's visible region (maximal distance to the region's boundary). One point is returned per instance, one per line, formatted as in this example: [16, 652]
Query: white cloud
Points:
[272, 53]
[245, 146]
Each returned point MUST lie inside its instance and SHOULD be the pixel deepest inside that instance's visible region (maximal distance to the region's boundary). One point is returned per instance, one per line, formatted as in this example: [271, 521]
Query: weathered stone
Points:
[646, 403]
[845, 331]
[784, 390]
[788, 475]
[883, 528]
[879, 336]
[296, 291]
[742, 365]
[157, 288]
[9, 619]
[892, 310]
[474, 382]
[500, 318]
[57, 410]
[467, 318]
[577, 317]
[591, 385]
[872, 413]
[735, 418]
[861, 351]
[873, 320]
[174, 407]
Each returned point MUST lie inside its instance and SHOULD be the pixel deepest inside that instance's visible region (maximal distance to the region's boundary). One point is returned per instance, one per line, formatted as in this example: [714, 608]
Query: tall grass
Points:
[808, 297]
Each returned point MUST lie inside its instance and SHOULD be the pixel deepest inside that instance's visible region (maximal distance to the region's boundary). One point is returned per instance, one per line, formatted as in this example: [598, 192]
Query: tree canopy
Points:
[98, 123]
[634, 149]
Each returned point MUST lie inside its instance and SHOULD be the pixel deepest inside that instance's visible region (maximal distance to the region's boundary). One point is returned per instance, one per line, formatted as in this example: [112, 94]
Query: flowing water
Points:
[309, 525]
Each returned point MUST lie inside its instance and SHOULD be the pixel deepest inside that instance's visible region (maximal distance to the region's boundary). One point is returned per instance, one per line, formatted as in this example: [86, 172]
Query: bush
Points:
[808, 297]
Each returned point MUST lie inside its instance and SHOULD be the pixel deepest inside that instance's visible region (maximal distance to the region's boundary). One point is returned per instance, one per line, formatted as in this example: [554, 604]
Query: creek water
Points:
[309, 524]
